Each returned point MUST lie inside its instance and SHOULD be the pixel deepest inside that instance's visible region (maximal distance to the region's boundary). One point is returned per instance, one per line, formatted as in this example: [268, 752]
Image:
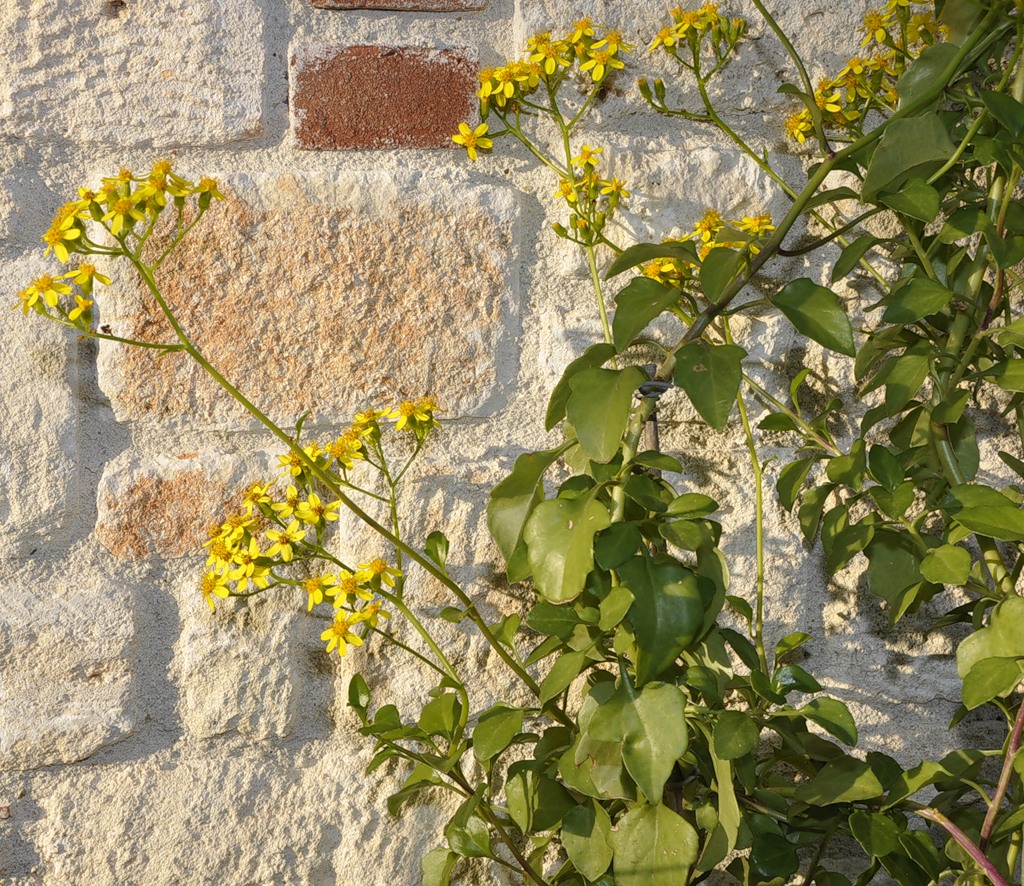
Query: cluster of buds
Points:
[893, 37]
[125, 206]
[711, 232]
[591, 199]
[698, 29]
[592, 51]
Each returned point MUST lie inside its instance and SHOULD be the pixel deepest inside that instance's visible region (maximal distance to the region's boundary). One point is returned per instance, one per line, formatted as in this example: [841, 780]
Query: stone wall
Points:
[358, 258]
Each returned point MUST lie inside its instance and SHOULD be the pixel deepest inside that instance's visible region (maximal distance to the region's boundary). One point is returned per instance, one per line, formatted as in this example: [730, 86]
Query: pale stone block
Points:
[327, 294]
[162, 506]
[128, 74]
[65, 669]
[39, 446]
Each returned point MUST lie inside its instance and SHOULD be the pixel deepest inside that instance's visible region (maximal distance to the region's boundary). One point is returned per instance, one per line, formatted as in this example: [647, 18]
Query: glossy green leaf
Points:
[436, 547]
[884, 466]
[692, 505]
[638, 304]
[565, 669]
[809, 512]
[985, 511]
[587, 838]
[793, 677]
[843, 780]
[833, 716]
[421, 777]
[717, 270]
[1009, 375]
[878, 834]
[471, 839]
[946, 564]
[616, 544]
[791, 481]
[1007, 110]
[919, 297]
[910, 147]
[613, 608]
[894, 573]
[710, 375]
[773, 857]
[495, 730]
[790, 643]
[653, 847]
[559, 536]
[818, 313]
[642, 253]
[666, 614]
[511, 502]
[735, 735]
[437, 866]
[916, 199]
[440, 714]
[594, 357]
[924, 72]
[599, 408]
[554, 621]
[359, 695]
[659, 462]
[991, 678]
[851, 256]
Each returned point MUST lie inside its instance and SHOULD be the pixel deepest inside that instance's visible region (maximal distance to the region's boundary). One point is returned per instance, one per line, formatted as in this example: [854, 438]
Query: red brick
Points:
[402, 5]
[379, 96]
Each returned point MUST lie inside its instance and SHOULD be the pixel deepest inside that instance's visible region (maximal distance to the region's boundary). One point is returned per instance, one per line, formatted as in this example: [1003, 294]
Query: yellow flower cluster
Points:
[711, 232]
[894, 35]
[692, 26]
[127, 204]
[591, 199]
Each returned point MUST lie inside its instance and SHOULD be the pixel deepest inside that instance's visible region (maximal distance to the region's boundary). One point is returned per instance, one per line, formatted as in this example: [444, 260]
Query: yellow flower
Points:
[255, 495]
[284, 539]
[756, 224]
[380, 572]
[207, 185]
[286, 508]
[416, 415]
[347, 448]
[584, 27]
[550, 55]
[615, 188]
[709, 225]
[566, 190]
[371, 613]
[471, 139]
[47, 288]
[875, 24]
[798, 126]
[123, 211]
[247, 569]
[371, 417]
[313, 511]
[315, 588]
[587, 156]
[614, 41]
[212, 585]
[85, 275]
[350, 586]
[600, 63]
[293, 464]
[340, 634]
[82, 306]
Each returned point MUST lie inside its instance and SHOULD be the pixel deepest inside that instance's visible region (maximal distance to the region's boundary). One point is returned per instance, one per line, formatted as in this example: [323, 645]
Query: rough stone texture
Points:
[162, 506]
[65, 666]
[126, 73]
[328, 294]
[39, 422]
[402, 5]
[379, 96]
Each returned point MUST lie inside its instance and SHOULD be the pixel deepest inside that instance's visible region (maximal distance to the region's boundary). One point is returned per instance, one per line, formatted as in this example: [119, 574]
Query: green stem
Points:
[968, 845]
[325, 478]
[1012, 744]
[595, 278]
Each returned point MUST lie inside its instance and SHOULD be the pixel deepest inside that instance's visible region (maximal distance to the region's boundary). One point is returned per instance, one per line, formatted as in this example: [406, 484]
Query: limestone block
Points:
[65, 666]
[162, 506]
[402, 5]
[379, 96]
[39, 422]
[327, 294]
[126, 74]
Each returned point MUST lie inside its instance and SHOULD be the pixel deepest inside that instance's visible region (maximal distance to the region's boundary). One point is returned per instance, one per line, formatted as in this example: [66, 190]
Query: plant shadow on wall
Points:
[661, 740]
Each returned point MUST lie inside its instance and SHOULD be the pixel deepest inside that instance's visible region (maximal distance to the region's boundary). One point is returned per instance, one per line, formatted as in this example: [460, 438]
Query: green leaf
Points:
[894, 573]
[717, 270]
[653, 847]
[710, 375]
[916, 199]
[440, 715]
[1009, 375]
[791, 481]
[566, 668]
[851, 255]
[616, 544]
[985, 511]
[910, 147]
[642, 253]
[1007, 110]
[948, 412]
[599, 408]
[666, 614]
[790, 643]
[849, 469]
[809, 512]
[691, 505]
[614, 607]
[638, 304]
[817, 313]
[885, 467]
[947, 564]
[554, 621]
[833, 716]
[436, 548]
[422, 776]
[587, 838]
[594, 356]
[878, 834]
[773, 856]
[511, 502]
[921, 75]
[495, 730]
[559, 537]
[991, 678]
[471, 839]
[658, 461]
[359, 695]
[735, 735]
[437, 866]
[919, 297]
[843, 780]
